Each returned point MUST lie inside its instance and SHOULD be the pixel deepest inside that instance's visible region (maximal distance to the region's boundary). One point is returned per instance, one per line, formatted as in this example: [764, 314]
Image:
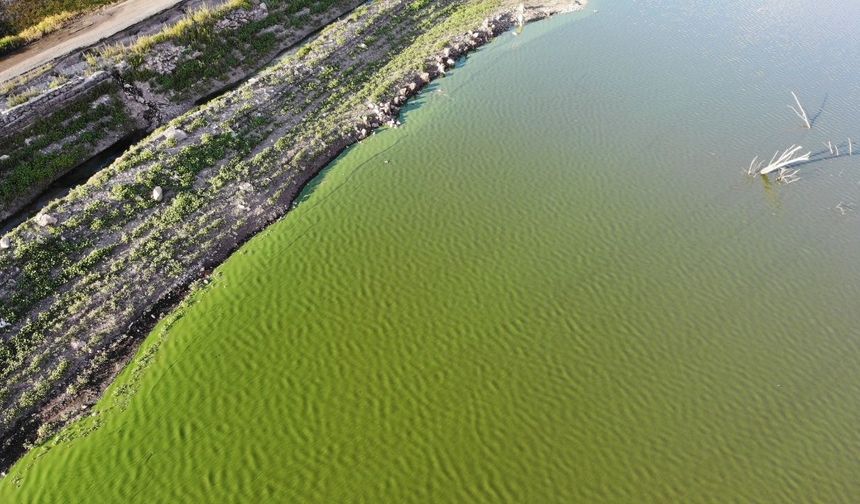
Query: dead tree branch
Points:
[800, 111]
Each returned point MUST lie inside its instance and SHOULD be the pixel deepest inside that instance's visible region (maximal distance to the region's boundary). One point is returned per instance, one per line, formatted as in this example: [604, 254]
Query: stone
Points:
[246, 187]
[175, 134]
[5, 243]
[157, 193]
[450, 62]
[122, 67]
[4, 157]
[45, 219]
[425, 77]
[413, 86]
[103, 100]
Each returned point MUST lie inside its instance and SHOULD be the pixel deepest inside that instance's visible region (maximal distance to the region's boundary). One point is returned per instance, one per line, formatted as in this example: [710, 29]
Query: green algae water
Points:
[554, 283]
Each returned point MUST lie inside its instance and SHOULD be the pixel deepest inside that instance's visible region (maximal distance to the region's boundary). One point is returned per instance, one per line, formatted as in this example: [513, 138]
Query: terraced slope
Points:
[154, 71]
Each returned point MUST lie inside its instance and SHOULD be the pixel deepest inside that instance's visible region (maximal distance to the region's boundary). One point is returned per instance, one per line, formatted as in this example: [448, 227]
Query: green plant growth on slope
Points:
[208, 54]
[34, 155]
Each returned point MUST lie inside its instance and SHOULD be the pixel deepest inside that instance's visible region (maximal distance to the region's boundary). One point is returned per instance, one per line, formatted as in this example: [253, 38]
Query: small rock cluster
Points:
[165, 59]
[239, 17]
[386, 113]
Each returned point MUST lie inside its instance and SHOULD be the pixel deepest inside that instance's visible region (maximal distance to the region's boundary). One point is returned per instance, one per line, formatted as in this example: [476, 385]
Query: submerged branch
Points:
[800, 111]
[787, 158]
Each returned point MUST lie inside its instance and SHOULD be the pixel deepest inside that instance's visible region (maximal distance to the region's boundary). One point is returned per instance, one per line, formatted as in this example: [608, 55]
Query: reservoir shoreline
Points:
[239, 213]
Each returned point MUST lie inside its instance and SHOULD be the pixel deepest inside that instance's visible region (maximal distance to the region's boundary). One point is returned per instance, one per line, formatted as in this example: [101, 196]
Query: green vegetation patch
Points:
[59, 142]
[209, 55]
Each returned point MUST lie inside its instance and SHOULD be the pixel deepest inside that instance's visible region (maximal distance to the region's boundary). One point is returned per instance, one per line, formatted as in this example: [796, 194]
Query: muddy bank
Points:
[70, 291]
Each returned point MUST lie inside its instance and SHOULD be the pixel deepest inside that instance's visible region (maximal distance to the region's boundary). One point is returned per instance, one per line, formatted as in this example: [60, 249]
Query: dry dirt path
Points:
[82, 32]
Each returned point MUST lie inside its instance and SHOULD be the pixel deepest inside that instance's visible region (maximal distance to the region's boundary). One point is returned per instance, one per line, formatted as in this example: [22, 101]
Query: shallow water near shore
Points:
[554, 283]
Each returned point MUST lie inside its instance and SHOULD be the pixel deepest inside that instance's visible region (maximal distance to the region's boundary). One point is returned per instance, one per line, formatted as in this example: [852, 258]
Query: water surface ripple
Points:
[553, 284]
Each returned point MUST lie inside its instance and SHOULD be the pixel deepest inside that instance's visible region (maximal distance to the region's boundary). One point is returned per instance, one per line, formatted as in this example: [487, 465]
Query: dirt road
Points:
[82, 32]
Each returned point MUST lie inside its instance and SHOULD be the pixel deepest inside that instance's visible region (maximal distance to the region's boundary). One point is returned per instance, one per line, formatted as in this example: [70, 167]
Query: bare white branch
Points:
[800, 111]
[754, 166]
[787, 158]
[787, 176]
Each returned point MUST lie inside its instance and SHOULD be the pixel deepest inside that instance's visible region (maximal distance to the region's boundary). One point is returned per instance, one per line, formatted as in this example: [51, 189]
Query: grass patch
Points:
[29, 165]
[25, 21]
[32, 33]
[22, 97]
[209, 55]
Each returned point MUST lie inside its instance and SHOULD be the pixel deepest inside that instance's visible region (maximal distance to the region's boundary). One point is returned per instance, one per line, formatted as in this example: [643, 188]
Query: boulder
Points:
[45, 219]
[103, 100]
[122, 67]
[246, 187]
[157, 193]
[5, 243]
[4, 157]
[175, 134]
